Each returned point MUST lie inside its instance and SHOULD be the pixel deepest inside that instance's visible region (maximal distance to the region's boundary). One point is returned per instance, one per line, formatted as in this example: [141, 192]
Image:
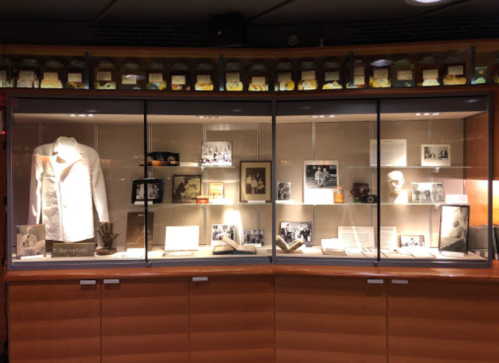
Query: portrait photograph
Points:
[319, 179]
[256, 181]
[284, 191]
[218, 231]
[216, 191]
[155, 189]
[427, 192]
[216, 153]
[186, 188]
[454, 227]
[291, 231]
[411, 241]
[435, 155]
[136, 230]
[254, 237]
[31, 240]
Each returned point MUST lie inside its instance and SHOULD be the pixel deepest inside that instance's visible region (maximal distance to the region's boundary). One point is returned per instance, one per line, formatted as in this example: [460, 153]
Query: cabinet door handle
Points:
[200, 278]
[400, 282]
[375, 281]
[88, 282]
[111, 281]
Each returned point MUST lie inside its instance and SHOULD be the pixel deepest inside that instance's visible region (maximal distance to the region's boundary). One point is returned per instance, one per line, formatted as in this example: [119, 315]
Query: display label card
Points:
[404, 75]
[184, 238]
[233, 77]
[388, 238]
[75, 77]
[306, 75]
[393, 153]
[129, 79]
[178, 80]
[332, 76]
[456, 198]
[50, 76]
[380, 74]
[456, 71]
[258, 81]
[284, 77]
[73, 249]
[359, 80]
[27, 75]
[155, 77]
[357, 237]
[359, 71]
[203, 78]
[430, 74]
[104, 76]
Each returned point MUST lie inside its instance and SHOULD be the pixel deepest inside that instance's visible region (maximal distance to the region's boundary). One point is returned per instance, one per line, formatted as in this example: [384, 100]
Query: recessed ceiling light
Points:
[426, 114]
[91, 115]
[322, 116]
[381, 63]
[315, 116]
[72, 115]
[331, 115]
[436, 113]
[82, 115]
[427, 2]
[418, 114]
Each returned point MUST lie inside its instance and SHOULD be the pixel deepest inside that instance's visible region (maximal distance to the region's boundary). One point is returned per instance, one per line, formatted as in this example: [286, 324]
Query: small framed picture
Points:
[454, 227]
[155, 188]
[216, 153]
[427, 192]
[218, 231]
[216, 191]
[319, 179]
[284, 191]
[435, 155]
[412, 240]
[186, 188]
[30, 240]
[136, 230]
[256, 181]
[291, 231]
[255, 237]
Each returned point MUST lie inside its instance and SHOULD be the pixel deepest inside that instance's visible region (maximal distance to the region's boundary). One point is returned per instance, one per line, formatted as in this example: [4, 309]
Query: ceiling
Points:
[254, 23]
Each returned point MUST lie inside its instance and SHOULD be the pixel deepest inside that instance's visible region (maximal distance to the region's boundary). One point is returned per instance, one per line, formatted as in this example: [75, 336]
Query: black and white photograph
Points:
[319, 179]
[255, 237]
[427, 192]
[435, 155]
[291, 231]
[454, 227]
[284, 191]
[186, 188]
[218, 231]
[412, 240]
[136, 230]
[256, 181]
[216, 153]
[31, 240]
[155, 189]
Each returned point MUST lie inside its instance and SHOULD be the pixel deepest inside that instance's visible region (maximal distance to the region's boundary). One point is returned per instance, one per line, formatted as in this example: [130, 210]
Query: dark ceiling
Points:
[242, 23]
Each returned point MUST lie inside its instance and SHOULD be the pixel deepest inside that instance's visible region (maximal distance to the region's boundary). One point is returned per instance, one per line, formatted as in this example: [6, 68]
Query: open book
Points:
[289, 247]
[232, 248]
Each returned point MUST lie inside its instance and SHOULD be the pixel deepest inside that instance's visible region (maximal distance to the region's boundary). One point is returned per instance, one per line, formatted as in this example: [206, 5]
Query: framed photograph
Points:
[220, 230]
[435, 155]
[255, 237]
[216, 191]
[412, 240]
[256, 181]
[155, 188]
[30, 240]
[186, 188]
[319, 179]
[454, 227]
[427, 192]
[216, 153]
[136, 230]
[291, 231]
[284, 191]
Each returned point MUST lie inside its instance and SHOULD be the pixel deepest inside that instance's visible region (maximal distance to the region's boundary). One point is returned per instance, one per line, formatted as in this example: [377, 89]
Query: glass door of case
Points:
[325, 208]
[210, 174]
[435, 183]
[71, 168]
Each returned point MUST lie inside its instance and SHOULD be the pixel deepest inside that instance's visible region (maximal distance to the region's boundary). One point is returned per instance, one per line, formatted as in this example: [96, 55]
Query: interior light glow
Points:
[426, 114]
[426, 2]
[82, 115]
[322, 116]
[418, 114]
[91, 115]
[331, 115]
[72, 115]
[436, 113]
[315, 116]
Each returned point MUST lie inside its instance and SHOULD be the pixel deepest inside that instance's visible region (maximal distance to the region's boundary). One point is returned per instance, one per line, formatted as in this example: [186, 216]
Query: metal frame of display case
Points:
[273, 99]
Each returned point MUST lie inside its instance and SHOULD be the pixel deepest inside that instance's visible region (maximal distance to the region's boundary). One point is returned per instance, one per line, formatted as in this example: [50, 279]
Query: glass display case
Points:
[300, 180]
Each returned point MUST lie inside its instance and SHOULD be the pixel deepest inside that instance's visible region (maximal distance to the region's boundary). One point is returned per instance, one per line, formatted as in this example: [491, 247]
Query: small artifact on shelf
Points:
[308, 80]
[332, 75]
[339, 195]
[202, 199]
[333, 246]
[285, 77]
[232, 248]
[480, 75]
[455, 71]
[288, 248]
[75, 72]
[380, 74]
[156, 76]
[359, 190]
[234, 77]
[204, 77]
[52, 73]
[163, 158]
[107, 236]
[396, 182]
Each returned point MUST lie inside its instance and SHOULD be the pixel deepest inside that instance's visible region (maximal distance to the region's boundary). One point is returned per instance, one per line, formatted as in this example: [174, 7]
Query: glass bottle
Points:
[7, 79]
[481, 75]
[429, 73]
[380, 74]
[359, 75]
[27, 74]
[131, 77]
[180, 77]
[308, 76]
[259, 78]
[205, 77]
[156, 77]
[339, 195]
[75, 72]
[234, 77]
[331, 75]
[403, 73]
[106, 76]
[285, 77]
[53, 75]
[455, 71]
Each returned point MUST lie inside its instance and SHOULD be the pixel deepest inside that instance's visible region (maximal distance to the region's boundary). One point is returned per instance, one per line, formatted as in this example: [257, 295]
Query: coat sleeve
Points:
[35, 192]
[99, 188]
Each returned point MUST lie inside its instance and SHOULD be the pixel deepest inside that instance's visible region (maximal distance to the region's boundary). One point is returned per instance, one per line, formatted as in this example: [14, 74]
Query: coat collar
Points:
[66, 149]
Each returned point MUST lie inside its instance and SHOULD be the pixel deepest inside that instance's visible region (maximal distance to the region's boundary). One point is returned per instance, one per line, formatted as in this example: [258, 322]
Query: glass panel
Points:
[72, 167]
[434, 180]
[214, 160]
[324, 181]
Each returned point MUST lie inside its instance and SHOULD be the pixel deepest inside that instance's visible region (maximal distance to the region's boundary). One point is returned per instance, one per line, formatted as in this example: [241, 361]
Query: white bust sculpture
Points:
[395, 183]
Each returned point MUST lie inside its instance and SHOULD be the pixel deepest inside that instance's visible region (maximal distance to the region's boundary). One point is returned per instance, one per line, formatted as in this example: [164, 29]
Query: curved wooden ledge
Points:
[454, 274]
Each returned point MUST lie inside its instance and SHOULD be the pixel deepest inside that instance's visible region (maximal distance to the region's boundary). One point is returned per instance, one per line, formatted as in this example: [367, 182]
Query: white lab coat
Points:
[65, 176]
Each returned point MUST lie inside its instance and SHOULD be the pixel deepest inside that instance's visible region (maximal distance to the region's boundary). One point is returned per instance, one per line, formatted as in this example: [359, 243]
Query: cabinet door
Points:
[145, 320]
[440, 322]
[323, 319]
[232, 320]
[54, 322]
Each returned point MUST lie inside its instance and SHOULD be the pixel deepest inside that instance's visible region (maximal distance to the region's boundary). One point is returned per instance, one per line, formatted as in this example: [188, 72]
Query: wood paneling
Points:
[323, 319]
[232, 320]
[54, 322]
[432, 322]
[145, 320]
